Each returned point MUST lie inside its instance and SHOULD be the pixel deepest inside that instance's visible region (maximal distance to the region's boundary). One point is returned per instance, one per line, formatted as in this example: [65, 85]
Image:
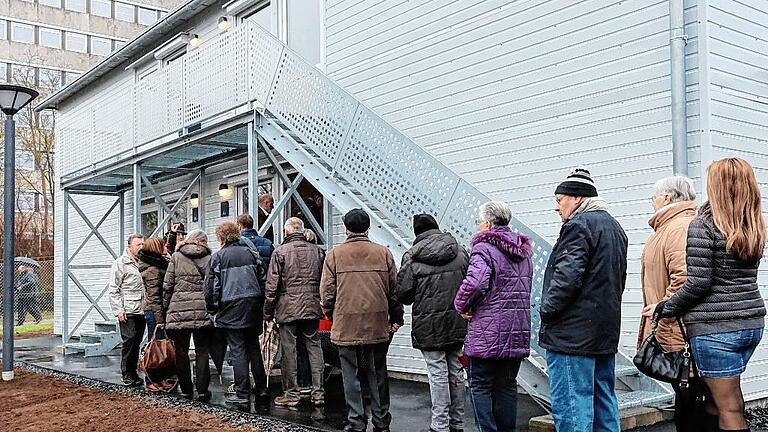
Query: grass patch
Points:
[45, 325]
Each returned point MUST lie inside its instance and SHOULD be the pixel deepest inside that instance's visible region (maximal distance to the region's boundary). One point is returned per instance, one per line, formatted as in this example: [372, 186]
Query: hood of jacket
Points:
[193, 249]
[147, 259]
[515, 246]
[434, 248]
[671, 211]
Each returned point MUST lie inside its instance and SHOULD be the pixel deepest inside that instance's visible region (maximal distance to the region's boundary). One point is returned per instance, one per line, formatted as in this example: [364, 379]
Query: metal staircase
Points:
[356, 159]
[104, 338]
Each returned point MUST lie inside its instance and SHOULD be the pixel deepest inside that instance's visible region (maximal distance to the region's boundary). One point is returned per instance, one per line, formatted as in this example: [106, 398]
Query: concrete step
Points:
[641, 398]
[97, 337]
[78, 347]
[106, 326]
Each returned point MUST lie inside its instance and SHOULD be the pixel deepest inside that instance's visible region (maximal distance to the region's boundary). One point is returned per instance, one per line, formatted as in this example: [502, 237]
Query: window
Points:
[47, 119]
[101, 8]
[119, 44]
[22, 33]
[23, 75]
[75, 5]
[304, 29]
[71, 76]
[51, 3]
[77, 42]
[27, 201]
[25, 160]
[100, 46]
[147, 16]
[125, 12]
[264, 18]
[3, 29]
[50, 38]
[50, 79]
[149, 222]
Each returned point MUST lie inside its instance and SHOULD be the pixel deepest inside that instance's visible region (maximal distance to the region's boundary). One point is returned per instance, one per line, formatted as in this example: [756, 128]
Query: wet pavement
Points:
[410, 403]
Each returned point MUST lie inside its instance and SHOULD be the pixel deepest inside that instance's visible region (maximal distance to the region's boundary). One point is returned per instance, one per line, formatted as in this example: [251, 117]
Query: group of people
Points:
[700, 266]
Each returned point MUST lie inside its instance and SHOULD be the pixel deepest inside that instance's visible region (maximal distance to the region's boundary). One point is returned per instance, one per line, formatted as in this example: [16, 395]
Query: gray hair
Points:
[294, 225]
[198, 236]
[134, 236]
[679, 188]
[495, 212]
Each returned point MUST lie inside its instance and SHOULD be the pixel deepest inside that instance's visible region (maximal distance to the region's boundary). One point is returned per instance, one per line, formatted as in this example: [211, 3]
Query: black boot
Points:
[711, 423]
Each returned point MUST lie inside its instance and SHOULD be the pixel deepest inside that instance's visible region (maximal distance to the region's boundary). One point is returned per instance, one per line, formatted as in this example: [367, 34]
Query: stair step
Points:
[78, 347]
[96, 337]
[105, 326]
[639, 398]
[624, 371]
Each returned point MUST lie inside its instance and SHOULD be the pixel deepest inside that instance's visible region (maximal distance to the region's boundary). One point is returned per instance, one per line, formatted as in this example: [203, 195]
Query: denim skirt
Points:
[724, 355]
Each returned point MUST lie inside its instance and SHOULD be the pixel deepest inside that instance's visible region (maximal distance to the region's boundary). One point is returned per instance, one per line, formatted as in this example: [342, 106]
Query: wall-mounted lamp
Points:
[195, 41]
[225, 193]
[224, 24]
[194, 202]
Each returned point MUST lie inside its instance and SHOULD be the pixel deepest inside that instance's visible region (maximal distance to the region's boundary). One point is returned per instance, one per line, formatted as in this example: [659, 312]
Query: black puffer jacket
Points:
[430, 274]
[583, 283]
[183, 293]
[721, 293]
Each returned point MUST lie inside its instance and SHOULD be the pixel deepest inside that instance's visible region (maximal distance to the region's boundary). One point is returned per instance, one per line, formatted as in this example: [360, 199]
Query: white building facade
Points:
[458, 102]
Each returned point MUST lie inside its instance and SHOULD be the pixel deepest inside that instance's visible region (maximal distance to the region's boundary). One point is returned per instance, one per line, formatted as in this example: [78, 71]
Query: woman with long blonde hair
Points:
[720, 302]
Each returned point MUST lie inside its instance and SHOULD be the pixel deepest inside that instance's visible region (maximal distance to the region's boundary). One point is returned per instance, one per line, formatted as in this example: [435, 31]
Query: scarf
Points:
[591, 204]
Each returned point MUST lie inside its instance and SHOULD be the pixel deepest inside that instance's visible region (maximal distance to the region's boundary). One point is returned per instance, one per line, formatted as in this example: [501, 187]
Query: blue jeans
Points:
[583, 392]
[493, 391]
[151, 324]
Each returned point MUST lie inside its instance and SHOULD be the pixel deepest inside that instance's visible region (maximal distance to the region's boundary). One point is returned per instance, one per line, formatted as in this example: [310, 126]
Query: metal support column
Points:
[65, 270]
[136, 198]
[121, 223]
[9, 235]
[201, 199]
[328, 223]
[253, 173]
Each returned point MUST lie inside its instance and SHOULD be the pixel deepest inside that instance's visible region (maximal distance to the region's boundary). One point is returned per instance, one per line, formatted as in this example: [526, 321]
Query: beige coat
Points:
[664, 268]
[126, 286]
[357, 291]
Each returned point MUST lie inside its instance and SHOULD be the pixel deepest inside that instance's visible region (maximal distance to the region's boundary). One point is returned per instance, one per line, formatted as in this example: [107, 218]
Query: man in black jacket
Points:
[430, 275]
[235, 299]
[581, 309]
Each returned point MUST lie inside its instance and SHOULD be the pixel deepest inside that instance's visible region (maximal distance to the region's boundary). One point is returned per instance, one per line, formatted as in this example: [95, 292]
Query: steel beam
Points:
[253, 173]
[201, 199]
[154, 193]
[175, 206]
[328, 223]
[136, 198]
[121, 228]
[280, 204]
[65, 270]
[94, 230]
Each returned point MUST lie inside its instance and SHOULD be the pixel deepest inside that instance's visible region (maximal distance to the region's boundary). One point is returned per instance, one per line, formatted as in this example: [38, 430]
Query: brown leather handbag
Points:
[158, 355]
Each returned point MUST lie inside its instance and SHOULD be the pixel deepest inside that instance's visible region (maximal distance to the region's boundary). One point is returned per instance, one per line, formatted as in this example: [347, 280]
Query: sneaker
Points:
[230, 389]
[237, 400]
[137, 381]
[261, 392]
[128, 381]
[205, 397]
[287, 400]
[318, 400]
[187, 396]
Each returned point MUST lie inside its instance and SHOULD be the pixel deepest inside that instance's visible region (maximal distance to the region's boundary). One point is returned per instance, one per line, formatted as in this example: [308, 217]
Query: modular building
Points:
[401, 107]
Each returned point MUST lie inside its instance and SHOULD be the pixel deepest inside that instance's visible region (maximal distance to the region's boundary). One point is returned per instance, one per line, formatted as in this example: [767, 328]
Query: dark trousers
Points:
[28, 304]
[493, 390]
[301, 331]
[371, 363]
[180, 340]
[132, 333]
[244, 351]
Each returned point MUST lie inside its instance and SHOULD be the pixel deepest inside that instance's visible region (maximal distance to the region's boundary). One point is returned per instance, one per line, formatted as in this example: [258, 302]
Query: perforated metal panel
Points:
[112, 125]
[265, 54]
[311, 105]
[394, 174]
[173, 81]
[148, 110]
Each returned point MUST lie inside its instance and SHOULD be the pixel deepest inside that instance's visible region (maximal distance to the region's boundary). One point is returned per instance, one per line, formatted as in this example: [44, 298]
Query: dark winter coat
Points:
[293, 281]
[233, 293]
[429, 278]
[583, 283]
[152, 268]
[721, 293]
[183, 288]
[250, 238]
[497, 293]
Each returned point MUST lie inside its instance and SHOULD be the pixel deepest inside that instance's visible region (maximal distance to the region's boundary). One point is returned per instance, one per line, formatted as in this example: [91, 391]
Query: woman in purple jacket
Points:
[496, 299]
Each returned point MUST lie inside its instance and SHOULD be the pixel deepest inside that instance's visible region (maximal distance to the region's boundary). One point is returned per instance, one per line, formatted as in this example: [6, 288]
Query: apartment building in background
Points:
[46, 44]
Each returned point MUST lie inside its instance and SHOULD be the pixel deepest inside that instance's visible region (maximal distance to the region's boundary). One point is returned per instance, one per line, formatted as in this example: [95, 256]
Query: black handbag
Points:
[670, 367]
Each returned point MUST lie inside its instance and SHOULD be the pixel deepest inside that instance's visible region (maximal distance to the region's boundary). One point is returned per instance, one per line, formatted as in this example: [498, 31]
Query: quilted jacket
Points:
[721, 293]
[152, 268]
[183, 288]
[497, 294]
[429, 277]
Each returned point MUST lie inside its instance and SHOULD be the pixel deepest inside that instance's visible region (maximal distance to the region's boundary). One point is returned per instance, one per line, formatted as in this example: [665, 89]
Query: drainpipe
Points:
[677, 41]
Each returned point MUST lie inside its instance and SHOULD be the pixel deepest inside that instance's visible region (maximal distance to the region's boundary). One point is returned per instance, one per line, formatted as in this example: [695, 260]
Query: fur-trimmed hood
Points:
[514, 245]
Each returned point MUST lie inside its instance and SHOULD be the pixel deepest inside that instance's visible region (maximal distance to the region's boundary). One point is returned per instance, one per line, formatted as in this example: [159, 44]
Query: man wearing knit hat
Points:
[357, 292]
[430, 275]
[581, 308]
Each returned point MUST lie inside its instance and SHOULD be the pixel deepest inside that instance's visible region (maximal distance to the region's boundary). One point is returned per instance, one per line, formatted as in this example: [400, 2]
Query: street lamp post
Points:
[12, 99]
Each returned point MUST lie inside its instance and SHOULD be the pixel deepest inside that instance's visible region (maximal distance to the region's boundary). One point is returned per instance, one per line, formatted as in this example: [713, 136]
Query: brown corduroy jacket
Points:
[357, 290]
[664, 268]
